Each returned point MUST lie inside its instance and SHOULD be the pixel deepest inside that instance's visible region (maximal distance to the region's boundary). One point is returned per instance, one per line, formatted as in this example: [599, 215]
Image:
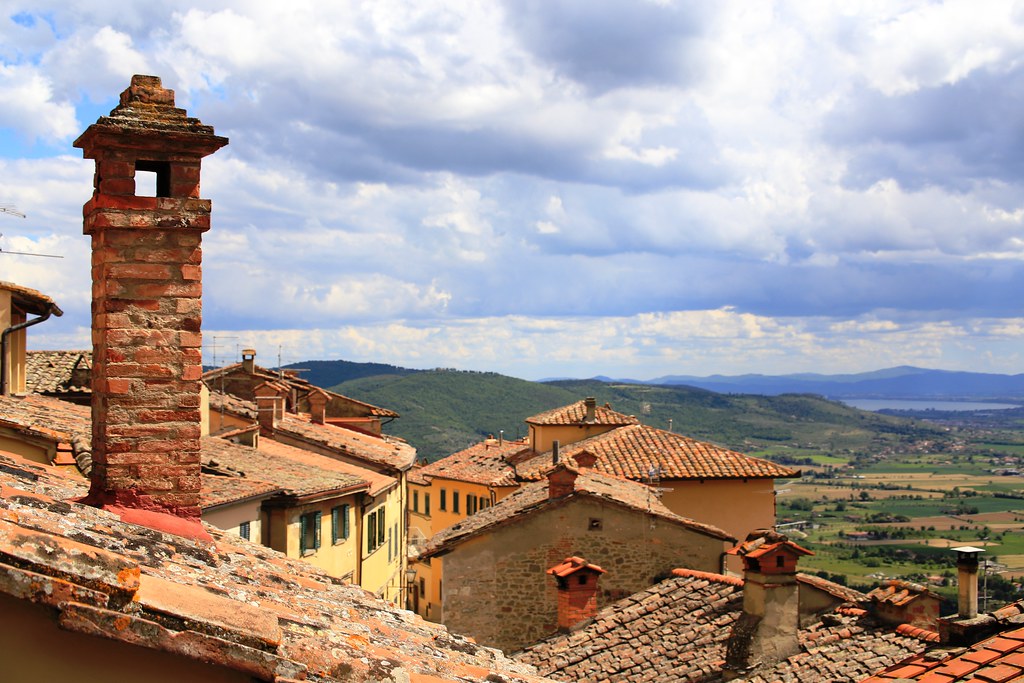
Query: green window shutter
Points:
[426, 504]
[380, 526]
[371, 530]
[344, 521]
[334, 525]
[316, 530]
[302, 534]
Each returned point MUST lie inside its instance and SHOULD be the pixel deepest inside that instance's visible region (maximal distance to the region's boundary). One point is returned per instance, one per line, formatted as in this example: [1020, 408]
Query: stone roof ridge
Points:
[923, 634]
[571, 565]
[834, 589]
[724, 579]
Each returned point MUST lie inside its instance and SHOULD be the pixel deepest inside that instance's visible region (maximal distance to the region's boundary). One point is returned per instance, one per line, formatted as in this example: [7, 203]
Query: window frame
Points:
[305, 520]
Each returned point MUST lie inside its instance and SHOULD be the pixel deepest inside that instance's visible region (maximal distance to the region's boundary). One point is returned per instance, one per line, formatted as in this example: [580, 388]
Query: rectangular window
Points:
[426, 504]
[339, 524]
[455, 501]
[243, 530]
[375, 530]
[390, 551]
[371, 531]
[470, 504]
[309, 533]
[444, 500]
[484, 502]
[415, 501]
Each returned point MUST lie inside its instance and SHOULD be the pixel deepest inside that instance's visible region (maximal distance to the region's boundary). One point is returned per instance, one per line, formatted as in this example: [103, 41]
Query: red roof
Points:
[482, 463]
[633, 451]
[999, 658]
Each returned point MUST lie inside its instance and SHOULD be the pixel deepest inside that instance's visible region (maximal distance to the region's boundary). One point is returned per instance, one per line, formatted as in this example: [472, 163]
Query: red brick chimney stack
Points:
[577, 590]
[562, 481]
[147, 307]
[249, 360]
[270, 400]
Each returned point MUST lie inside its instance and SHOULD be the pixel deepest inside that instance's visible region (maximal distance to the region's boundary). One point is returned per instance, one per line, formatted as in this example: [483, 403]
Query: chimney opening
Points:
[152, 178]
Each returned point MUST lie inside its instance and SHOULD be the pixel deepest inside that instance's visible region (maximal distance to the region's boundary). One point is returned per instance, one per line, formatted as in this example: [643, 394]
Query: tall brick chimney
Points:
[270, 400]
[147, 307]
[577, 590]
[767, 630]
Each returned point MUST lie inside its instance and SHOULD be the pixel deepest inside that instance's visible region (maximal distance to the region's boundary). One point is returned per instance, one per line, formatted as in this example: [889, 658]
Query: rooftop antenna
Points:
[11, 211]
[214, 345]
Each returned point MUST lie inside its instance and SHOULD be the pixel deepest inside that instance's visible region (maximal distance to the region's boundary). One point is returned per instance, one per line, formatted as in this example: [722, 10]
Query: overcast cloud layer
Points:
[557, 187]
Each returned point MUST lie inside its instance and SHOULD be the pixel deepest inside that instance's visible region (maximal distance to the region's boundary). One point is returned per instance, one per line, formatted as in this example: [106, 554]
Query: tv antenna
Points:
[11, 211]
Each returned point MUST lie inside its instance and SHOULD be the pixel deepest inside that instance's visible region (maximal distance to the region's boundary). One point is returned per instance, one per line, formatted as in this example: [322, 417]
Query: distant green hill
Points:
[327, 373]
[446, 410]
[443, 411]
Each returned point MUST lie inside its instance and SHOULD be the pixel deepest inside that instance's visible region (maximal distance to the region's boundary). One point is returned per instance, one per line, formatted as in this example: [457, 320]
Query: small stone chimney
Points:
[577, 582]
[766, 632]
[554, 452]
[318, 400]
[562, 481]
[967, 581]
[147, 307]
[270, 402]
[590, 403]
[249, 361]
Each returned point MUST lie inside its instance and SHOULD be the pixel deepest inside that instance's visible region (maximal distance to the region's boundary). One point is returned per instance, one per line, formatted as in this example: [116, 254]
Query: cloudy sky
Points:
[557, 187]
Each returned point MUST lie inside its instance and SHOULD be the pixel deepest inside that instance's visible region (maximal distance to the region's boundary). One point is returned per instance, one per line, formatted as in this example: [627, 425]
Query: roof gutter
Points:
[4, 368]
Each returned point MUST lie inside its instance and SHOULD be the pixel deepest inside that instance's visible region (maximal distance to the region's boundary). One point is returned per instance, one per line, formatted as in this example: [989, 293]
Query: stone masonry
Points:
[146, 303]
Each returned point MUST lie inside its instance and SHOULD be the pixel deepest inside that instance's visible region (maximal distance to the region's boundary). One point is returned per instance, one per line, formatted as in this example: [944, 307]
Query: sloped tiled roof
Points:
[678, 629]
[381, 450]
[534, 497]
[632, 451]
[997, 659]
[482, 463]
[223, 490]
[229, 603]
[900, 593]
[291, 381]
[295, 472]
[51, 419]
[53, 372]
[576, 414]
[30, 300]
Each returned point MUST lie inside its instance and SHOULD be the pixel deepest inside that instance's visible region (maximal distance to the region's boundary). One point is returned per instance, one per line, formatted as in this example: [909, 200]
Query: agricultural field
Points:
[898, 515]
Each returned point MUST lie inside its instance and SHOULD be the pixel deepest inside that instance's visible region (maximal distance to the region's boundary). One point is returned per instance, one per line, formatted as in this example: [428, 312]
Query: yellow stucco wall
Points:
[230, 517]
[19, 444]
[542, 436]
[15, 359]
[337, 559]
[733, 505]
[384, 565]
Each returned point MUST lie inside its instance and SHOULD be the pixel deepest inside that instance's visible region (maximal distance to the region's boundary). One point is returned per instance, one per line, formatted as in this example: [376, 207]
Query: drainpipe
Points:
[4, 369]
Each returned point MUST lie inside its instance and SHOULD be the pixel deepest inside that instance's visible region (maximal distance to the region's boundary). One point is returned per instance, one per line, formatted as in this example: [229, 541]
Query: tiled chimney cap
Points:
[571, 565]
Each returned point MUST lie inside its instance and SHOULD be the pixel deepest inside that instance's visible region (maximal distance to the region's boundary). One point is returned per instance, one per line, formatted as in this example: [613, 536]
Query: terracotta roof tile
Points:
[58, 372]
[632, 452]
[577, 414]
[900, 593]
[533, 497]
[230, 603]
[380, 450]
[482, 463]
[997, 658]
[223, 490]
[677, 631]
[296, 472]
[289, 380]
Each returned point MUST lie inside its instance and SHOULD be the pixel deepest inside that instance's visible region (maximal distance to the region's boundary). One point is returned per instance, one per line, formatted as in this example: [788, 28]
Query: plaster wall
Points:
[31, 638]
[736, 506]
[542, 436]
[230, 517]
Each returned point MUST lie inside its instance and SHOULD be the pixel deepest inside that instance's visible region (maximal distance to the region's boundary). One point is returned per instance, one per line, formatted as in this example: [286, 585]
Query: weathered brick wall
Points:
[147, 363]
[496, 589]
